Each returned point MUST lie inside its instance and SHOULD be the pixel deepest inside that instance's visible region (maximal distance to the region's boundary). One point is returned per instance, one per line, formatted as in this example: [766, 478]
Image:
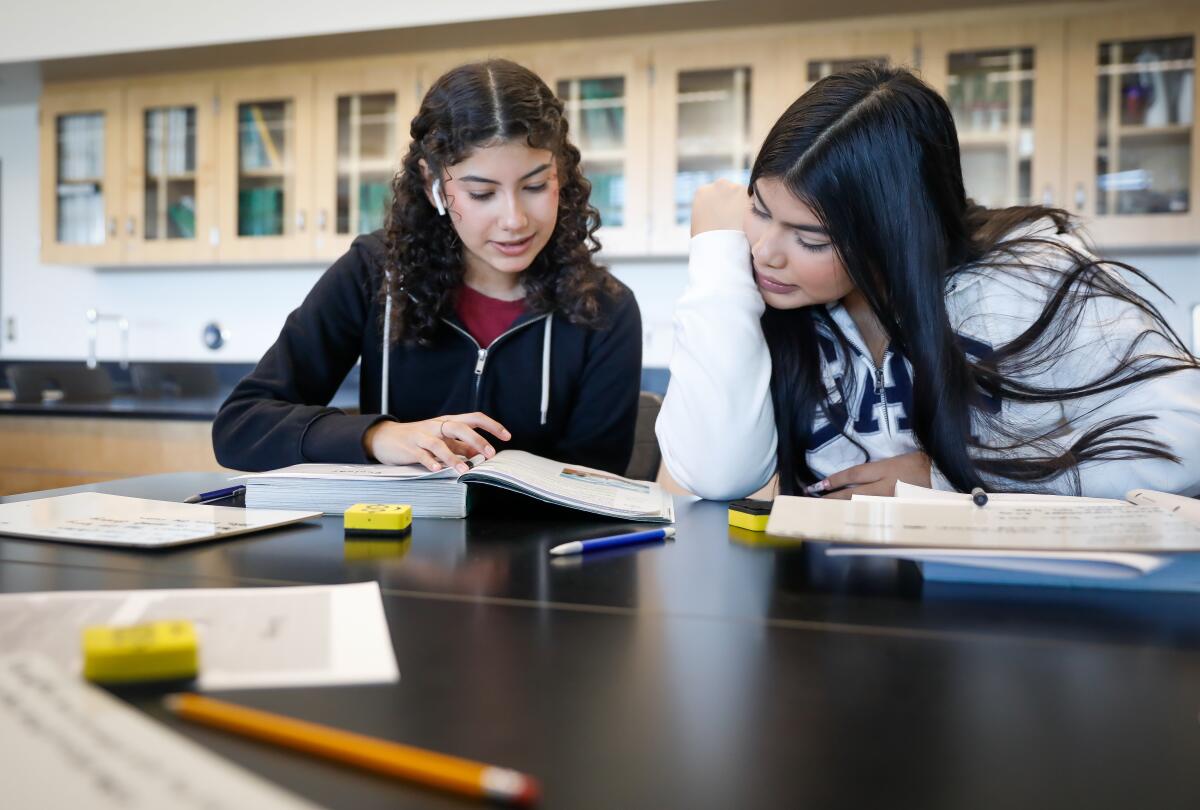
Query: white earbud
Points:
[438, 201]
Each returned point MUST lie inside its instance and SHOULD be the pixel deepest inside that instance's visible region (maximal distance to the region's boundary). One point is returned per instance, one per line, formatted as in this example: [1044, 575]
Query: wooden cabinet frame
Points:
[295, 85]
[714, 52]
[139, 98]
[392, 75]
[1084, 37]
[105, 99]
[1046, 38]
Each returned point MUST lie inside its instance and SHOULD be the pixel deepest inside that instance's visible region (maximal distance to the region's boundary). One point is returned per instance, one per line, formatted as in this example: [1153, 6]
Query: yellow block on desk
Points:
[155, 651]
[751, 515]
[377, 518]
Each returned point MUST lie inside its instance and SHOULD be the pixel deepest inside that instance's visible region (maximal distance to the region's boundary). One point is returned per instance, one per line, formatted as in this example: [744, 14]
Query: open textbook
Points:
[332, 488]
[1149, 541]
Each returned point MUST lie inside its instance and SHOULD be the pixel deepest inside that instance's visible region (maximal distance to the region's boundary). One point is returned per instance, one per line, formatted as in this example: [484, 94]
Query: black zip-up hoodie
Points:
[575, 403]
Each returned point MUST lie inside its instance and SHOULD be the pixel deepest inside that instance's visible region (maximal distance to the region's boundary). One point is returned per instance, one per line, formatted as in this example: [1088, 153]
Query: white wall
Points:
[168, 308]
[56, 29]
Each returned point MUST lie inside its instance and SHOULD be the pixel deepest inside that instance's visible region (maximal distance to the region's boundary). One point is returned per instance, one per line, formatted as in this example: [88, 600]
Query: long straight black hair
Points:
[873, 152]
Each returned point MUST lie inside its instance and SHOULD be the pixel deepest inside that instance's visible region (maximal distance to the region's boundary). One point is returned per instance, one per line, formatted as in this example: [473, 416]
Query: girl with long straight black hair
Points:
[853, 319]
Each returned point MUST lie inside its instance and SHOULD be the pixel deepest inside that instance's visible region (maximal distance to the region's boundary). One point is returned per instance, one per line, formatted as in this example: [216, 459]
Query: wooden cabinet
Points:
[1132, 158]
[362, 111]
[1004, 83]
[170, 162]
[607, 99]
[714, 99]
[266, 177]
[82, 164]
[1088, 110]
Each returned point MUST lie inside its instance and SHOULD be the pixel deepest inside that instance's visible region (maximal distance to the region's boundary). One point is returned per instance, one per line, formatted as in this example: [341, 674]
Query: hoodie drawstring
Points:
[546, 368]
[387, 334]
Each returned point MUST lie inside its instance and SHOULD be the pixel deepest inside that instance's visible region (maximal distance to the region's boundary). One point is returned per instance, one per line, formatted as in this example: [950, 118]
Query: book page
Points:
[116, 520]
[1069, 525]
[574, 485]
[66, 743]
[354, 472]
[249, 637]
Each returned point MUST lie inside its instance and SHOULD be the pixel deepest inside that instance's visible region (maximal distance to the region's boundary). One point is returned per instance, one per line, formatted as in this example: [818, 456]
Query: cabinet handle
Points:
[1080, 197]
[112, 226]
[300, 221]
[131, 226]
[322, 218]
[1048, 195]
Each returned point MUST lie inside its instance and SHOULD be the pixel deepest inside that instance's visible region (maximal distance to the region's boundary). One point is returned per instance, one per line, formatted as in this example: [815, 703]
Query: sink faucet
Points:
[93, 319]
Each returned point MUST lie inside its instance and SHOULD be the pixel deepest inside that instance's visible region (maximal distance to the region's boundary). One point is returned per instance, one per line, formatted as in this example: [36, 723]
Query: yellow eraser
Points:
[377, 518]
[155, 651]
[750, 514]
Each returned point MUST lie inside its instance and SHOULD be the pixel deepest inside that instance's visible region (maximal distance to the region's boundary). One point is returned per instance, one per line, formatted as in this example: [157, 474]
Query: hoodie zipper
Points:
[877, 374]
[482, 353]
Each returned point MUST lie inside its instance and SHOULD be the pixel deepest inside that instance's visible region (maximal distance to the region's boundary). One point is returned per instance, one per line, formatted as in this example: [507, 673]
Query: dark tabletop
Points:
[715, 671]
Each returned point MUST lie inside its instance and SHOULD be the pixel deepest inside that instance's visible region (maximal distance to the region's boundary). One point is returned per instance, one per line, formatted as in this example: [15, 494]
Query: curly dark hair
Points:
[478, 105]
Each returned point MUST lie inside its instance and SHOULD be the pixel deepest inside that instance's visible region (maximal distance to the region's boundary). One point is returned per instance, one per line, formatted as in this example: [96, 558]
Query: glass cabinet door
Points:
[1132, 144]
[713, 106]
[170, 157]
[265, 168]
[81, 178]
[362, 117]
[607, 109]
[991, 97]
[1003, 84]
[1145, 108]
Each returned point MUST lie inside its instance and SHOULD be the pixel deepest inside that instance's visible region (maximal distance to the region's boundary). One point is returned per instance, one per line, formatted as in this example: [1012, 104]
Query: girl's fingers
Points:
[428, 460]
[851, 476]
[484, 422]
[471, 441]
[441, 452]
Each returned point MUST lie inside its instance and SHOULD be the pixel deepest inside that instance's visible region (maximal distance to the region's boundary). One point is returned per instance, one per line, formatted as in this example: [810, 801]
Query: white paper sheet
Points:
[249, 637]
[115, 520]
[1052, 526]
[67, 744]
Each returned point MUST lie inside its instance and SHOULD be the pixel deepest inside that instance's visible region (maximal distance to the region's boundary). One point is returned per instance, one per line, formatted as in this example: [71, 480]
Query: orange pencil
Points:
[389, 758]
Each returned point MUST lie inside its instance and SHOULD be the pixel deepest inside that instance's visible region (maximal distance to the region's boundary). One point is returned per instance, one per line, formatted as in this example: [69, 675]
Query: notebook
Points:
[332, 488]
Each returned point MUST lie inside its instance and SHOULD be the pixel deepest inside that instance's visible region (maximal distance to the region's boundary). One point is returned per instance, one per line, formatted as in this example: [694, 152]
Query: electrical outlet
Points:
[10, 329]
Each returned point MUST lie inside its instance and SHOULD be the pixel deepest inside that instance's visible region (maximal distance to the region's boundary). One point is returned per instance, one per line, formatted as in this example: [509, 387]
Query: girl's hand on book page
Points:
[435, 443]
[875, 477]
[719, 206]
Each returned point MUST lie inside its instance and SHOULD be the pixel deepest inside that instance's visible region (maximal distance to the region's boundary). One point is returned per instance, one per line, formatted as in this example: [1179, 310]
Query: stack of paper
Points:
[334, 488]
[1150, 541]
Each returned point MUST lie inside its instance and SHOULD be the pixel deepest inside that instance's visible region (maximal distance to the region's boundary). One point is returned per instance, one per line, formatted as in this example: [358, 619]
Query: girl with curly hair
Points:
[480, 316]
[853, 319]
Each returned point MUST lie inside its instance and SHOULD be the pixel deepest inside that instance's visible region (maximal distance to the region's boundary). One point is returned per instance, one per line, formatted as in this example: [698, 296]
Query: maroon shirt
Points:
[485, 318]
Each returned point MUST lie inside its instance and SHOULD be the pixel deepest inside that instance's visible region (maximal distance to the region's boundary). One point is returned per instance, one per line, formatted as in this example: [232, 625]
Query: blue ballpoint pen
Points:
[597, 543]
[216, 494]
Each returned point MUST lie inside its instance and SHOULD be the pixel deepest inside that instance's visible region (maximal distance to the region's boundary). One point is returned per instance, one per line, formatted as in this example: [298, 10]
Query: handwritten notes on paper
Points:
[115, 520]
[65, 743]
[1017, 526]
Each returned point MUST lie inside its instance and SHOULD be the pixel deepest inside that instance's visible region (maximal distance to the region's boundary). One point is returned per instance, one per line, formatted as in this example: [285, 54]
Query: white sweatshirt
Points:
[717, 424]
